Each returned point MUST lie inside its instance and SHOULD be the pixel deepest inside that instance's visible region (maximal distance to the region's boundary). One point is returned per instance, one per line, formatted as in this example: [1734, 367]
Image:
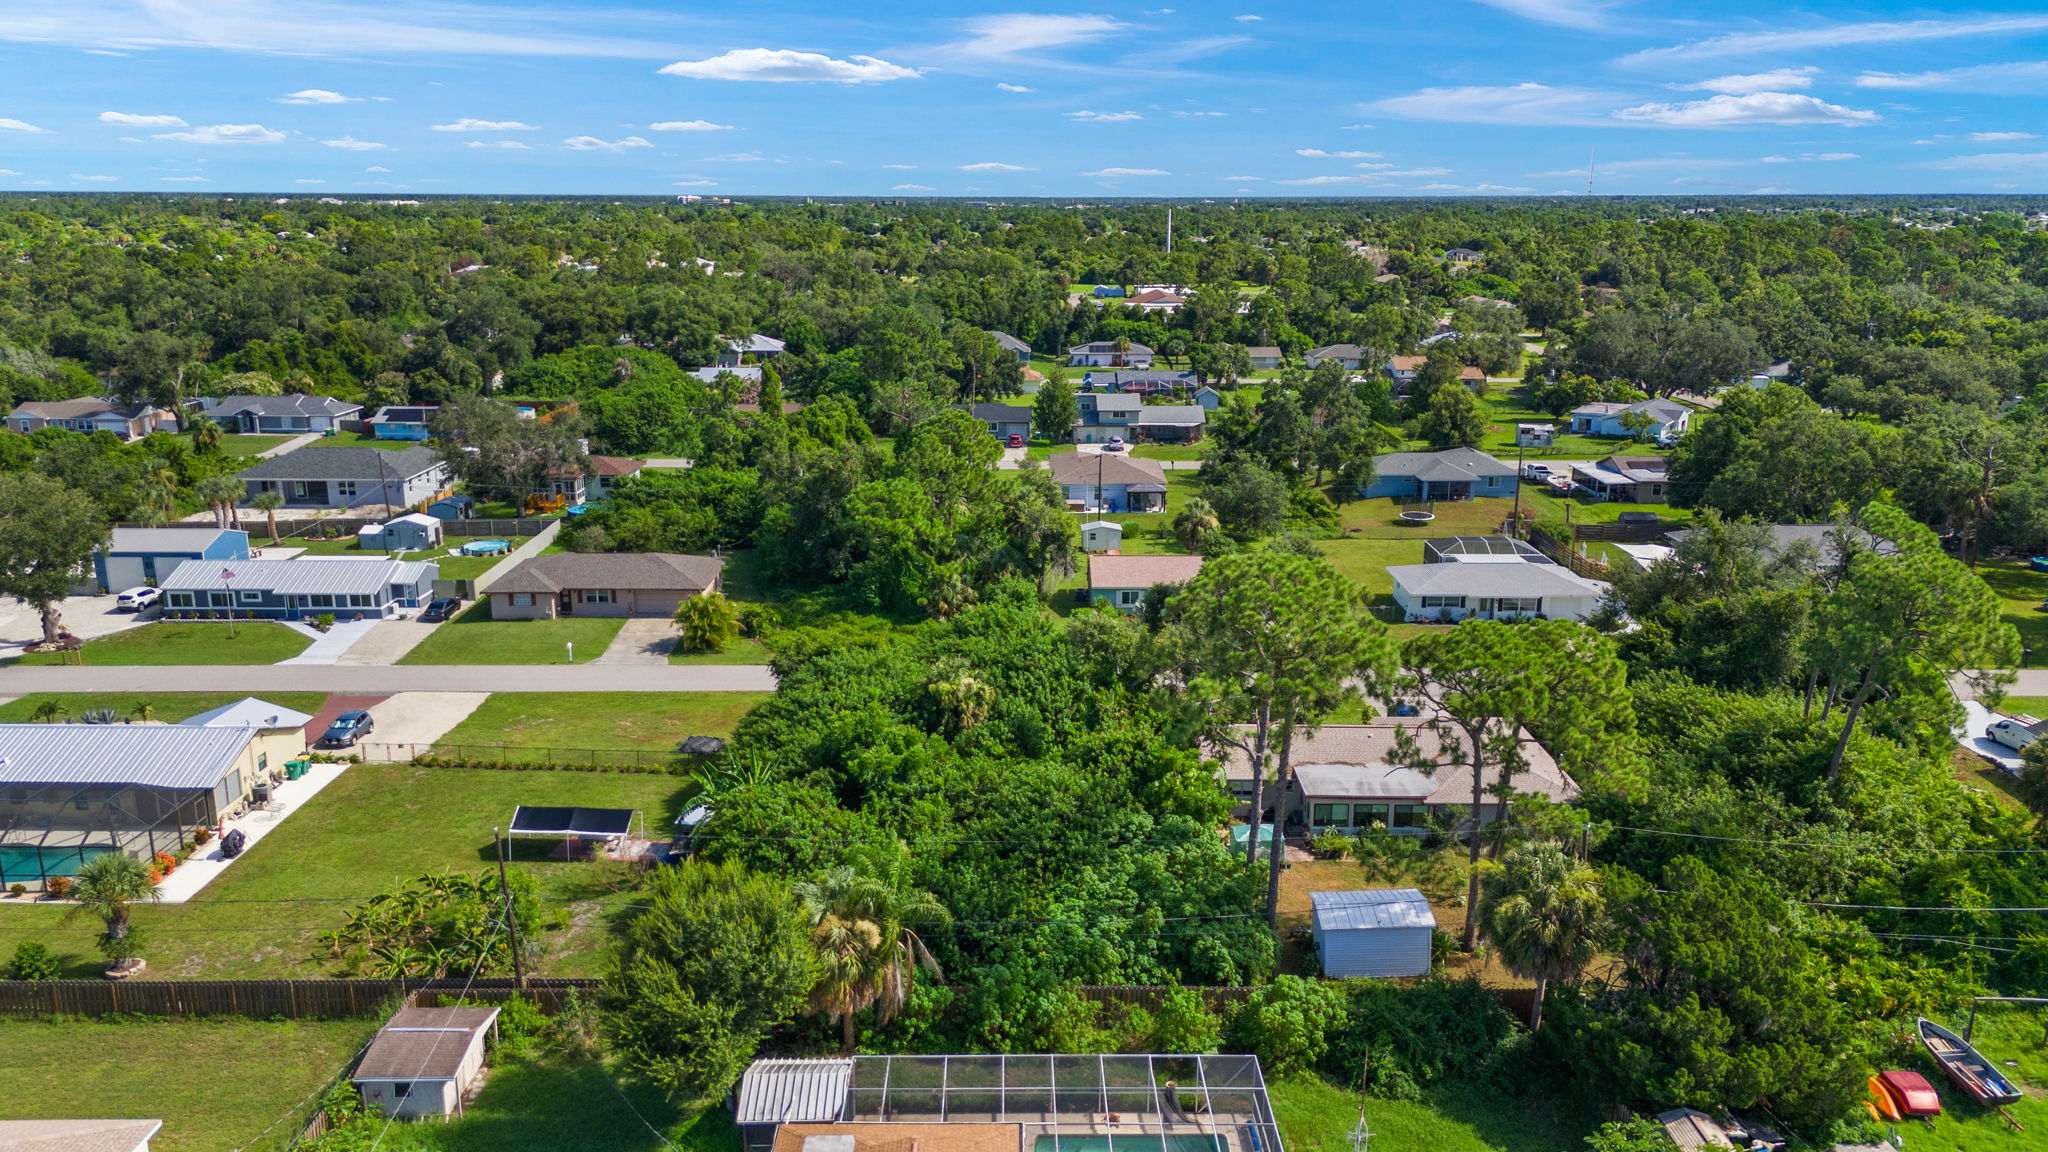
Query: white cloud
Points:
[737, 157]
[1414, 172]
[183, 179]
[901, 167]
[131, 120]
[376, 168]
[1755, 108]
[995, 166]
[1017, 32]
[94, 179]
[1314, 180]
[908, 188]
[311, 181]
[1354, 127]
[696, 182]
[317, 96]
[688, 126]
[1563, 13]
[1617, 168]
[1086, 117]
[1244, 179]
[472, 124]
[225, 134]
[1319, 154]
[1482, 189]
[1200, 114]
[1748, 82]
[1976, 78]
[1128, 172]
[1996, 137]
[1014, 88]
[1524, 104]
[593, 144]
[516, 145]
[1839, 36]
[351, 144]
[785, 66]
[8, 124]
[1997, 162]
[1246, 19]
[1823, 157]
[1171, 54]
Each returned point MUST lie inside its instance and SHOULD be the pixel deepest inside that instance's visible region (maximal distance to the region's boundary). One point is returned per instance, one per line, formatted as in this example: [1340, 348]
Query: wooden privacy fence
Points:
[1564, 554]
[260, 999]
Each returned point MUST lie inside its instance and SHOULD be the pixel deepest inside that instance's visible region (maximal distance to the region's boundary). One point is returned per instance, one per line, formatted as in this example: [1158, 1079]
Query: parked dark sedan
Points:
[440, 610]
[347, 728]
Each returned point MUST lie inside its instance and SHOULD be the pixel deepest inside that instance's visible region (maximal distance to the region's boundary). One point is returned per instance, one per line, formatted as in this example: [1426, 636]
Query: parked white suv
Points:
[2016, 732]
[136, 599]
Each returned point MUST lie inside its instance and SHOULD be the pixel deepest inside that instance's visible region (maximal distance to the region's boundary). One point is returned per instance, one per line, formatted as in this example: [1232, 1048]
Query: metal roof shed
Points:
[774, 1092]
[1374, 932]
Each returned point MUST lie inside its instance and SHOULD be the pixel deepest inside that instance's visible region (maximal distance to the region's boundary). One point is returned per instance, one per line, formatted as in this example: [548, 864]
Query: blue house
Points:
[346, 586]
[408, 422]
[137, 556]
[293, 414]
[1453, 474]
[454, 506]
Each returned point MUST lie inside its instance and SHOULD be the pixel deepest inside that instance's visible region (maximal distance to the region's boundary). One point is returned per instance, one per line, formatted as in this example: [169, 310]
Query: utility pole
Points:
[1589, 172]
[1169, 230]
[511, 923]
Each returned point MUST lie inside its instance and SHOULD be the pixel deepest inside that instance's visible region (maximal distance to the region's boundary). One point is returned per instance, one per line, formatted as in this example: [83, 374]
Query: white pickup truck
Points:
[1540, 473]
[2016, 732]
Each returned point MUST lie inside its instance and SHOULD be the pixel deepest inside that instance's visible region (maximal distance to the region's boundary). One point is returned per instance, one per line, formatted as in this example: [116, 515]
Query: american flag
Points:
[227, 574]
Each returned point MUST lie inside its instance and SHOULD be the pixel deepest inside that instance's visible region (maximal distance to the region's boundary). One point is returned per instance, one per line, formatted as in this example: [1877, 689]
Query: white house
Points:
[1349, 356]
[1493, 588]
[1374, 932]
[1264, 357]
[1668, 419]
[1104, 354]
[752, 350]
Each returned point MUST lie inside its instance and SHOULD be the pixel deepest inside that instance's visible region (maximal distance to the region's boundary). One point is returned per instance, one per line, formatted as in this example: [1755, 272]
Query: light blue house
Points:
[137, 556]
[1109, 482]
[1664, 421]
[1453, 474]
[346, 586]
[403, 422]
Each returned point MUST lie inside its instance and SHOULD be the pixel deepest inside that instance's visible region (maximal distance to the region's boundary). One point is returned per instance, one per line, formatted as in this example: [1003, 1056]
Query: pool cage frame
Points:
[1139, 1102]
[60, 822]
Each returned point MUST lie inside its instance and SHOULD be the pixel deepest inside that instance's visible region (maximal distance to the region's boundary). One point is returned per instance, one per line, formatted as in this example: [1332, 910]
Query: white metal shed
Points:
[1373, 932]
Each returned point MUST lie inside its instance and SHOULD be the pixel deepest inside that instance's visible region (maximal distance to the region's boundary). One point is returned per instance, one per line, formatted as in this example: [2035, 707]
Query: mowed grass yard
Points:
[472, 637]
[238, 444]
[551, 1104]
[185, 642]
[2022, 591]
[367, 832]
[216, 1084]
[1317, 1116]
[169, 707]
[642, 721]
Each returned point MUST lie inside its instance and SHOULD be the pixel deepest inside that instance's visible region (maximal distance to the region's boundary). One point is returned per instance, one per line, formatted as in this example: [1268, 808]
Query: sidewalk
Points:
[532, 546]
[291, 445]
[328, 646]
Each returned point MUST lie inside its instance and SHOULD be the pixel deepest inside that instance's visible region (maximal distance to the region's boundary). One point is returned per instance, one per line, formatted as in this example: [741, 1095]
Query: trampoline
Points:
[485, 548]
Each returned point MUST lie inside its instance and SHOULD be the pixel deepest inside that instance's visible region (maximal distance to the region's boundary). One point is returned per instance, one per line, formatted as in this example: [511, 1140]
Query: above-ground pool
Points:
[485, 548]
[1134, 1142]
[27, 864]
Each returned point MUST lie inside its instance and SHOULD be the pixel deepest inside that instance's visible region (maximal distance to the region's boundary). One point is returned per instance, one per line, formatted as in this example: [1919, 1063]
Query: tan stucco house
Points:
[602, 584]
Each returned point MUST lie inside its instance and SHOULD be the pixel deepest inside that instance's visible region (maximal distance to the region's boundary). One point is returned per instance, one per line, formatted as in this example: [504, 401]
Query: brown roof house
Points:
[90, 414]
[1349, 779]
[426, 1061]
[1124, 580]
[602, 584]
[1109, 481]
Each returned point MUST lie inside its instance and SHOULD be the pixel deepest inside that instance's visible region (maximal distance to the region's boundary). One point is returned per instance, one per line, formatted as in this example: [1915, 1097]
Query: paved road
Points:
[261, 678]
[2030, 682]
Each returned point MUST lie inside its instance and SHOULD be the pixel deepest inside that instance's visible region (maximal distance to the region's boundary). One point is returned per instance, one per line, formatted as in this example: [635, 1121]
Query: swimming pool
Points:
[20, 863]
[485, 548]
[1131, 1143]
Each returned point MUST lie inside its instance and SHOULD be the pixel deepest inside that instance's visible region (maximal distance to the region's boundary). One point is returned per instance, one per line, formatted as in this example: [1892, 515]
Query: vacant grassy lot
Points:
[2022, 590]
[375, 827]
[474, 638]
[169, 707]
[1317, 1116]
[647, 721]
[553, 1104]
[185, 642]
[216, 1084]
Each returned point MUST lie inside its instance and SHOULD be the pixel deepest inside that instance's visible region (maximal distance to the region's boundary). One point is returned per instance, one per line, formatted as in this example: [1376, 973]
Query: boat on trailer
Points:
[1964, 1065]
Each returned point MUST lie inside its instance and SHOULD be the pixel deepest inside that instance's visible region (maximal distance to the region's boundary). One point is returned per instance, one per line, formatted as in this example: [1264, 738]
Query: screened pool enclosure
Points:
[53, 829]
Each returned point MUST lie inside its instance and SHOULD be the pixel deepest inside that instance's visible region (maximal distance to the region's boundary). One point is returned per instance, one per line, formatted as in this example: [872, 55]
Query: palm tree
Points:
[222, 494]
[863, 925]
[1542, 909]
[48, 712]
[1197, 522]
[109, 887]
[269, 501]
[144, 710]
[205, 435]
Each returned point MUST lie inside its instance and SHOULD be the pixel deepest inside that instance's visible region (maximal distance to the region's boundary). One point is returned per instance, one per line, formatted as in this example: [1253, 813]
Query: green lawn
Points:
[1964, 1126]
[741, 651]
[185, 642]
[375, 827]
[2030, 705]
[551, 1104]
[169, 707]
[648, 721]
[447, 557]
[1167, 451]
[362, 440]
[474, 638]
[1316, 1116]
[236, 444]
[216, 1084]
[2022, 590]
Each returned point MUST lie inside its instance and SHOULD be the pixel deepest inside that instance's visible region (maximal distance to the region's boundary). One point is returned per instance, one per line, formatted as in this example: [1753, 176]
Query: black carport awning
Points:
[571, 821]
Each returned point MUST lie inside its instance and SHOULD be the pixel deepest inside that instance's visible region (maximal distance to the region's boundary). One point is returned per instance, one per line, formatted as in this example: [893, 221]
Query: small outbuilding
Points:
[426, 1062]
[405, 533]
[1373, 932]
[1535, 435]
[777, 1092]
[1102, 536]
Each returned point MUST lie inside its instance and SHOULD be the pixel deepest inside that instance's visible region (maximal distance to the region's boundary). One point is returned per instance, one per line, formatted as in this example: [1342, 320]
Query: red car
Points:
[1015, 441]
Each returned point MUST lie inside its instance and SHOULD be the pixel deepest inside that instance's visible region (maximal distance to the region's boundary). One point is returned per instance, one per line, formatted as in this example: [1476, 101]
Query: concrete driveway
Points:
[87, 617]
[416, 718]
[641, 640]
[386, 641]
[1971, 737]
[1012, 459]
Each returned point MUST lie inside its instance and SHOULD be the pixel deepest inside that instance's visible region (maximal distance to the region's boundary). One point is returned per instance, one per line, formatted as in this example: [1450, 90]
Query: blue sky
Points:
[838, 98]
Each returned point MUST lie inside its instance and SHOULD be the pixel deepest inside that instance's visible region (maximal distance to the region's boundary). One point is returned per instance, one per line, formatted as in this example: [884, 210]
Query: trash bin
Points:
[293, 769]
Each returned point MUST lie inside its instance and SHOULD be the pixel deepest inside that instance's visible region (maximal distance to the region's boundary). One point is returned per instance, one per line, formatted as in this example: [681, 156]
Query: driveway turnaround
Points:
[87, 617]
[255, 680]
[386, 641]
[643, 640]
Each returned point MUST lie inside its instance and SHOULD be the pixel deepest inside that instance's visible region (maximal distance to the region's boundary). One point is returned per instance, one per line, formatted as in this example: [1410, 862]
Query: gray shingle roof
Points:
[161, 755]
[1173, 414]
[340, 462]
[424, 1043]
[1372, 908]
[1338, 352]
[290, 404]
[998, 413]
[1104, 468]
[79, 408]
[76, 1135]
[312, 575]
[623, 571]
[1009, 341]
[1450, 464]
[1117, 401]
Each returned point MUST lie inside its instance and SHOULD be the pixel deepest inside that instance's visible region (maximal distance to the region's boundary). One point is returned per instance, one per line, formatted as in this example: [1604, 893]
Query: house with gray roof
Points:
[293, 414]
[1452, 474]
[1488, 590]
[348, 587]
[1104, 354]
[752, 350]
[1106, 415]
[337, 476]
[136, 556]
[89, 414]
[403, 422]
[77, 1135]
[1003, 420]
[1171, 423]
[1624, 479]
[1351, 357]
[1109, 481]
[1667, 420]
[602, 584]
[1353, 776]
[1013, 346]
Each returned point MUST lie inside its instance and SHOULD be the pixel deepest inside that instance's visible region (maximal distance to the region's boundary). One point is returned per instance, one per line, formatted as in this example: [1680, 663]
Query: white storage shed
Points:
[1374, 932]
[1102, 536]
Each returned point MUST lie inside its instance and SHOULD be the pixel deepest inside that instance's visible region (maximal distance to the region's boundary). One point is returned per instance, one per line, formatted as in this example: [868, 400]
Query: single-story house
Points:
[1378, 932]
[1013, 346]
[77, 1135]
[90, 414]
[1821, 538]
[426, 1061]
[1493, 591]
[403, 422]
[1265, 357]
[1349, 356]
[1171, 423]
[1105, 354]
[1351, 776]
[346, 586]
[1110, 481]
[1209, 398]
[136, 556]
[752, 350]
[1105, 415]
[1108, 291]
[602, 584]
[606, 472]
[745, 373]
[1624, 479]
[1535, 435]
[1003, 420]
[454, 506]
[1158, 300]
[1452, 474]
[1463, 255]
[1102, 536]
[279, 732]
[292, 414]
[1667, 419]
[70, 792]
[1124, 580]
[1142, 382]
[407, 533]
[336, 476]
